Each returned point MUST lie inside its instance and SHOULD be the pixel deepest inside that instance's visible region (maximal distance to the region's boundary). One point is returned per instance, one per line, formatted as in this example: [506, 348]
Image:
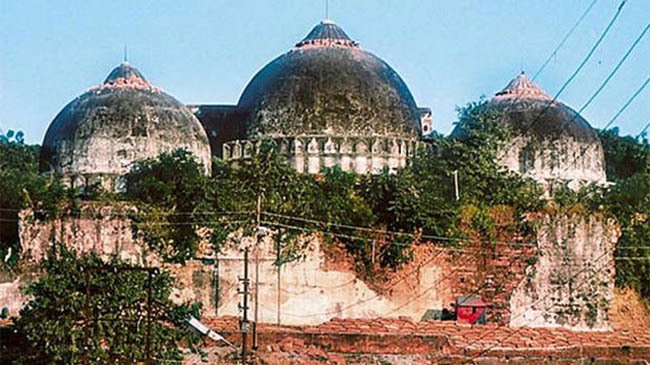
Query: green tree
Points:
[172, 195]
[474, 154]
[22, 186]
[625, 156]
[627, 161]
[61, 324]
[629, 201]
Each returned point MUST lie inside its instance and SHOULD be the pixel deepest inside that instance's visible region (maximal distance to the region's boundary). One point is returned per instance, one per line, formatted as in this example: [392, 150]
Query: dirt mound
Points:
[628, 311]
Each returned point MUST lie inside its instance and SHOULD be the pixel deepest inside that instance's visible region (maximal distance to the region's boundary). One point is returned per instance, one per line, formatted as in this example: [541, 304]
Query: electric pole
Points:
[456, 184]
[244, 326]
[257, 268]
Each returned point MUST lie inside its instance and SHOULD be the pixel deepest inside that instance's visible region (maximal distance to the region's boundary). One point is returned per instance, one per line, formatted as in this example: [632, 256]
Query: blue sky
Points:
[448, 52]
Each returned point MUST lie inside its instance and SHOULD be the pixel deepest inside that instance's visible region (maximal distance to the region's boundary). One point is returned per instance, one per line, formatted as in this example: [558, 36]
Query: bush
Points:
[62, 324]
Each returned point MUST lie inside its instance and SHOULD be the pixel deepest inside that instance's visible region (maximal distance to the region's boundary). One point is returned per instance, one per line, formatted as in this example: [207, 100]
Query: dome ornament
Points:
[327, 34]
[522, 87]
[126, 75]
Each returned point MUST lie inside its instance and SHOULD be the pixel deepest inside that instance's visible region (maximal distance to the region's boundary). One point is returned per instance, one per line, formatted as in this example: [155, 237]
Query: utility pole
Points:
[456, 184]
[257, 268]
[244, 325]
[279, 264]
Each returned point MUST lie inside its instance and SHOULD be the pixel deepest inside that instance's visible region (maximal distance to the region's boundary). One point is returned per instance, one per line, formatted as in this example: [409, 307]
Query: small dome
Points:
[551, 141]
[530, 110]
[328, 85]
[103, 131]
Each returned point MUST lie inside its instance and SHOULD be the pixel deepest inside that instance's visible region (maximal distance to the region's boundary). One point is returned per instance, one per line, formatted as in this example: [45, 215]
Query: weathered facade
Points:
[571, 282]
[325, 102]
[550, 143]
[98, 135]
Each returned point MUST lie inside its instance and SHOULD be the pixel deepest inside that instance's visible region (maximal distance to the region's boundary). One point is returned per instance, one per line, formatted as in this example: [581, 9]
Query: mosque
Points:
[325, 102]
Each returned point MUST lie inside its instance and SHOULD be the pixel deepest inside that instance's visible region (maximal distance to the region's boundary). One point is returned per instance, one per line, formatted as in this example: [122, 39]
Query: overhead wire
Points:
[566, 37]
[513, 243]
[645, 128]
[601, 87]
[618, 66]
[591, 51]
[580, 67]
[386, 232]
[628, 102]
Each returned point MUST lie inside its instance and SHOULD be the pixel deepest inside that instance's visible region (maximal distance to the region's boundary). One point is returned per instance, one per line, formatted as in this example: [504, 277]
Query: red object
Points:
[471, 310]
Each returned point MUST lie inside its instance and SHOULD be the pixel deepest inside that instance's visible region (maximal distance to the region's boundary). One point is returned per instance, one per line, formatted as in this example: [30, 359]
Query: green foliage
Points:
[629, 201]
[628, 166]
[172, 192]
[417, 199]
[62, 324]
[474, 155]
[21, 186]
[484, 184]
[588, 198]
[12, 137]
[624, 156]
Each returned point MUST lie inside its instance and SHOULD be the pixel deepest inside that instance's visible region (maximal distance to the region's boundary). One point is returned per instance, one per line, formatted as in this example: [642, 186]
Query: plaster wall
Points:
[572, 281]
[310, 292]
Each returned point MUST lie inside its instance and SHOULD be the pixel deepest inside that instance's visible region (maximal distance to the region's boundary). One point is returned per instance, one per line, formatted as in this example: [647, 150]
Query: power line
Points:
[579, 68]
[591, 52]
[355, 237]
[366, 239]
[122, 213]
[601, 87]
[335, 234]
[620, 63]
[628, 103]
[554, 53]
[643, 130]
[575, 73]
[386, 232]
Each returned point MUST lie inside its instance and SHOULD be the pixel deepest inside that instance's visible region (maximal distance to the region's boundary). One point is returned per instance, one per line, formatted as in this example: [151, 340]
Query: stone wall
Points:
[526, 284]
[572, 281]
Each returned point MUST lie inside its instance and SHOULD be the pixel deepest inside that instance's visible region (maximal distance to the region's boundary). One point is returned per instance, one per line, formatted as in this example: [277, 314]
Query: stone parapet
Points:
[311, 153]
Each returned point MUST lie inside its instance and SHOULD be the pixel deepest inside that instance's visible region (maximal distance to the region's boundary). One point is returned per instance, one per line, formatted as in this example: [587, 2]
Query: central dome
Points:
[327, 85]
